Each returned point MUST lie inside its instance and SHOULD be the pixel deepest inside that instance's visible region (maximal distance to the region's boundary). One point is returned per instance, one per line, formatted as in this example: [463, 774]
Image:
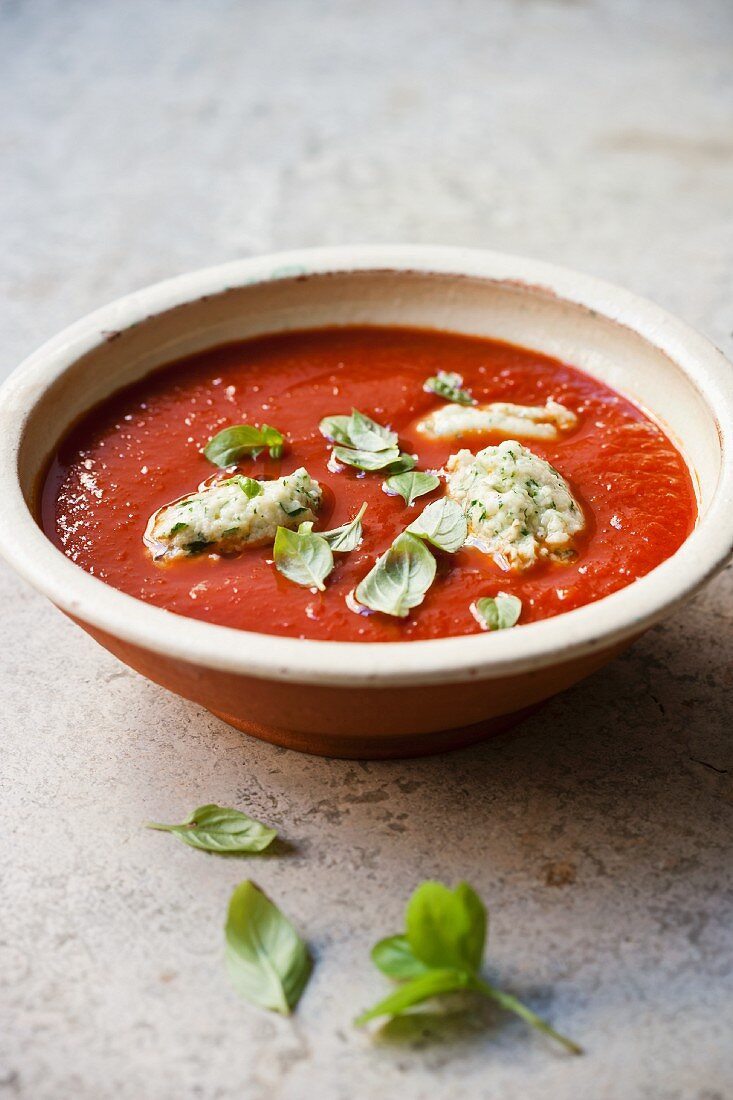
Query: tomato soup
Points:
[143, 449]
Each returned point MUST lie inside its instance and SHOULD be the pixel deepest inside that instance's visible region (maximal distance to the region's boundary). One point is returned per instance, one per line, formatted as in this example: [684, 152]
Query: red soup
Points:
[143, 449]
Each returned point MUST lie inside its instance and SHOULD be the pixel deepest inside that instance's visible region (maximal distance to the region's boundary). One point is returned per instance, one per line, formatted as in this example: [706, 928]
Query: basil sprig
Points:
[399, 579]
[346, 537]
[449, 386]
[441, 952]
[443, 524]
[220, 829]
[241, 441]
[411, 485]
[303, 556]
[497, 612]
[268, 963]
[363, 443]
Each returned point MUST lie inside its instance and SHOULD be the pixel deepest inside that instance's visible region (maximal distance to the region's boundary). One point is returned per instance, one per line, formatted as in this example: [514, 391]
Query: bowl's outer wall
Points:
[359, 723]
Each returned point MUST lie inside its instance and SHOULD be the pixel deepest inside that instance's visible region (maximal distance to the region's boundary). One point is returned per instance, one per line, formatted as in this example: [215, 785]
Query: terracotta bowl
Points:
[350, 699]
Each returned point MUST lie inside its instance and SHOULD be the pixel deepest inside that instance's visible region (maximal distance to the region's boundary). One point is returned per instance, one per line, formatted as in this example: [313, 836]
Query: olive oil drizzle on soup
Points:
[143, 449]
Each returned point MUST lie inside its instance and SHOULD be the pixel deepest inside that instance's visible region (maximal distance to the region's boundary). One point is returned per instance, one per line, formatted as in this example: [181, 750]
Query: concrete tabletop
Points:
[144, 138]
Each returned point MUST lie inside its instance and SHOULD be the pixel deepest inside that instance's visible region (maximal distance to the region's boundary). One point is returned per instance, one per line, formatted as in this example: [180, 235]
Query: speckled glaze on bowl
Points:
[350, 699]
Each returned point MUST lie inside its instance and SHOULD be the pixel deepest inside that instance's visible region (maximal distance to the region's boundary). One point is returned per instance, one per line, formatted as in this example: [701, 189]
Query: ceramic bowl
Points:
[350, 699]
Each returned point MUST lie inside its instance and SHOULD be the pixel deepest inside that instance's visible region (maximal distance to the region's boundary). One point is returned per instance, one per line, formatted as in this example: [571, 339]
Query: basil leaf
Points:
[248, 485]
[431, 984]
[402, 464]
[336, 428]
[443, 524]
[302, 557]
[346, 537]
[219, 829]
[274, 441]
[411, 485]
[449, 386]
[399, 579]
[446, 928]
[366, 435]
[267, 961]
[497, 612]
[366, 460]
[241, 440]
[292, 507]
[395, 958]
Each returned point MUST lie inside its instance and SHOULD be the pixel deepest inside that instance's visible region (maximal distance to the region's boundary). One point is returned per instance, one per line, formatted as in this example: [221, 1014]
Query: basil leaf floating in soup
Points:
[219, 829]
[303, 557]
[366, 435]
[346, 537]
[399, 579]
[267, 961]
[448, 385]
[336, 428]
[443, 524]
[243, 441]
[402, 464]
[411, 485]
[497, 612]
[366, 460]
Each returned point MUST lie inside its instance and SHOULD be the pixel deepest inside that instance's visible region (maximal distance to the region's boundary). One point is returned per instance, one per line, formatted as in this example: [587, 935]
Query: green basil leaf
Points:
[411, 485]
[302, 557]
[449, 386]
[446, 928]
[346, 537]
[395, 958]
[443, 524]
[429, 985]
[242, 440]
[366, 460]
[497, 612]
[399, 579]
[336, 428]
[219, 829]
[402, 464]
[366, 434]
[267, 961]
[248, 485]
[274, 441]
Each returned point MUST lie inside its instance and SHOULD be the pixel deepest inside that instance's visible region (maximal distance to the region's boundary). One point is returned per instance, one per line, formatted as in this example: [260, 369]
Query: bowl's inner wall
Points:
[529, 316]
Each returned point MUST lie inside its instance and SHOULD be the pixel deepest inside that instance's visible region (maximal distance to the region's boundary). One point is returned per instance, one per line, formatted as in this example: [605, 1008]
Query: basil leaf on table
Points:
[431, 984]
[241, 441]
[220, 829]
[395, 958]
[267, 961]
[497, 612]
[411, 485]
[448, 385]
[399, 579]
[303, 556]
[443, 524]
[441, 952]
[366, 460]
[446, 928]
[346, 537]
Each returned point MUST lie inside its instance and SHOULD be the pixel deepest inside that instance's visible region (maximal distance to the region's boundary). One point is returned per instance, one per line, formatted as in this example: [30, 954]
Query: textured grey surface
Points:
[141, 139]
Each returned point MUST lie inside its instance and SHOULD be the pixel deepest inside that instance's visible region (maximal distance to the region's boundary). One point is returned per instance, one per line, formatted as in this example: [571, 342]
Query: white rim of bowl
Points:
[568, 636]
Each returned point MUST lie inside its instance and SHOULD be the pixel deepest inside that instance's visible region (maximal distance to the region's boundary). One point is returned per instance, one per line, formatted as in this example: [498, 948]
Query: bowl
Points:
[372, 700]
